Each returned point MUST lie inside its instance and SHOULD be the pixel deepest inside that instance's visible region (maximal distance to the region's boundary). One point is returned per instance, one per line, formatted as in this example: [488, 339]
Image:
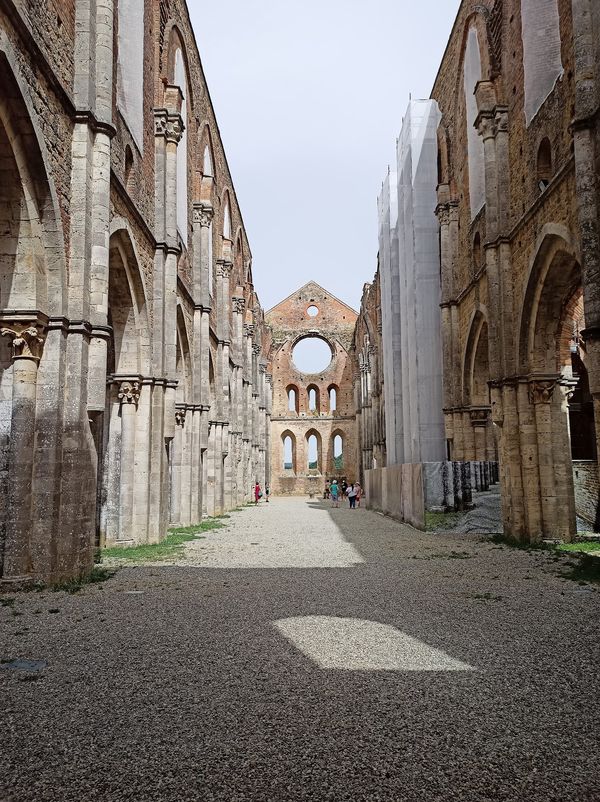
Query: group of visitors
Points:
[352, 492]
[258, 494]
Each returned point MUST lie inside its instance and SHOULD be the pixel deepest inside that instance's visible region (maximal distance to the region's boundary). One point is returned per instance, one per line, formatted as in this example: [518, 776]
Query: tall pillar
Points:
[27, 340]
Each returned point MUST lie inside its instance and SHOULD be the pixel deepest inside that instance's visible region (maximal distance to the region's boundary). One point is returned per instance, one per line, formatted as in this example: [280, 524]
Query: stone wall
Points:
[135, 385]
[369, 385]
[516, 337]
[587, 491]
[333, 322]
[397, 491]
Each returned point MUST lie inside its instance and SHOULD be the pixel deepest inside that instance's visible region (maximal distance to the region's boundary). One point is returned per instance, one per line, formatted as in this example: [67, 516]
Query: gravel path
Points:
[305, 653]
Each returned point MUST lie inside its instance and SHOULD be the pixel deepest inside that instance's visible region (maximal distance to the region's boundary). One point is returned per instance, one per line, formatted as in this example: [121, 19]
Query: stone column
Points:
[128, 396]
[27, 340]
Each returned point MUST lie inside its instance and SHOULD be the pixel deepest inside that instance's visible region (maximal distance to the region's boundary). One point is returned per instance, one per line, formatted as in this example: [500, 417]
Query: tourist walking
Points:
[351, 493]
[326, 491]
[334, 492]
[257, 493]
[359, 493]
[267, 493]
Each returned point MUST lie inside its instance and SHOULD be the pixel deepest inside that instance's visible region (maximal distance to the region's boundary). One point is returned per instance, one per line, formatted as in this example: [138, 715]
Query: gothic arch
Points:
[184, 362]
[292, 437]
[206, 172]
[40, 228]
[319, 442]
[554, 277]
[476, 369]
[127, 307]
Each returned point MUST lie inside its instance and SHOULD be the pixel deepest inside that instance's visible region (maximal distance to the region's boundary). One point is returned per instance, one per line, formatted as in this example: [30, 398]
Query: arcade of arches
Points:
[142, 384]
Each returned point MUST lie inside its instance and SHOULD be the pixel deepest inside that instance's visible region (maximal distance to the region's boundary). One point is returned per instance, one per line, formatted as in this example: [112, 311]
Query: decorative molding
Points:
[480, 416]
[180, 416]
[249, 329]
[27, 335]
[129, 392]
[224, 268]
[238, 304]
[169, 126]
[203, 215]
[540, 391]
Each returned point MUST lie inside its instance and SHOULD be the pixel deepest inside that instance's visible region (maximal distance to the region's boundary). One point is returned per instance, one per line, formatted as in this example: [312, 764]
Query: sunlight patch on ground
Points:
[284, 534]
[353, 644]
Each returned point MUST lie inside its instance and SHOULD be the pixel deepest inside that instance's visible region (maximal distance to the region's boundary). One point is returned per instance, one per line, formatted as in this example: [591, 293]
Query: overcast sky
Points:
[309, 97]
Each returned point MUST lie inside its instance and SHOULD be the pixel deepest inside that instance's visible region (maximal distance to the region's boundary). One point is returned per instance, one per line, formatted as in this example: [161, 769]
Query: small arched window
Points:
[313, 399]
[313, 453]
[182, 150]
[292, 395]
[544, 164]
[332, 399]
[288, 453]
[227, 221]
[338, 452]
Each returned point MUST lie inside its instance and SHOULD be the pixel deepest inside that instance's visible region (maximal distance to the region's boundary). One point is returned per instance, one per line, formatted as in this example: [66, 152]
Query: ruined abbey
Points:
[142, 384]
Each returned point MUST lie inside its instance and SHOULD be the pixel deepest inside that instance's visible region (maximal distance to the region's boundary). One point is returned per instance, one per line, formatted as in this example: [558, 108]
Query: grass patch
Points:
[172, 546]
[583, 545]
[440, 521]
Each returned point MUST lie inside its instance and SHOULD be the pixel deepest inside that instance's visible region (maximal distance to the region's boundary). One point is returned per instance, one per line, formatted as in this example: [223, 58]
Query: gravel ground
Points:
[468, 671]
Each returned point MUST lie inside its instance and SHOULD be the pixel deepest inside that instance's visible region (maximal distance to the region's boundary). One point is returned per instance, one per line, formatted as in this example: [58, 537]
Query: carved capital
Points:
[224, 268]
[238, 304]
[486, 125]
[269, 378]
[262, 369]
[129, 392]
[180, 416]
[27, 339]
[249, 329]
[443, 214]
[501, 119]
[175, 128]
[541, 391]
[479, 416]
[203, 215]
[256, 349]
[160, 122]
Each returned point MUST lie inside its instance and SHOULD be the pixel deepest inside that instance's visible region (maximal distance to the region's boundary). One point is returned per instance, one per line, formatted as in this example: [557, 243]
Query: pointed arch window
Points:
[289, 452]
[471, 77]
[227, 220]
[312, 443]
[180, 78]
[314, 401]
[130, 67]
[333, 398]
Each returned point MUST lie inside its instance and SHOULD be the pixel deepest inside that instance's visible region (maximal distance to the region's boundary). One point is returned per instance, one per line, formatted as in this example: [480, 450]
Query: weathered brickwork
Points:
[290, 323]
[369, 382]
[134, 384]
[520, 362]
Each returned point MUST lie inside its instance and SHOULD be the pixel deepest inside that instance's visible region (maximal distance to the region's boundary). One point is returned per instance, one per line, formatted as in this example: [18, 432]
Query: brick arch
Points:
[284, 435]
[554, 277]
[476, 360]
[40, 233]
[127, 306]
[307, 437]
[205, 183]
[174, 40]
[184, 364]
